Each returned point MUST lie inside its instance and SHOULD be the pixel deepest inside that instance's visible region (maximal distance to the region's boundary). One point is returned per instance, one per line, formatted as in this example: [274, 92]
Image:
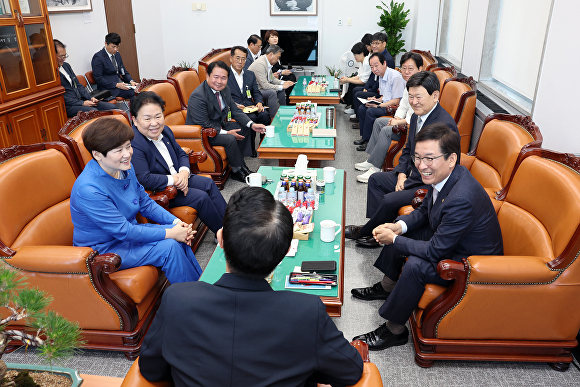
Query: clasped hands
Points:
[181, 232]
[123, 86]
[385, 233]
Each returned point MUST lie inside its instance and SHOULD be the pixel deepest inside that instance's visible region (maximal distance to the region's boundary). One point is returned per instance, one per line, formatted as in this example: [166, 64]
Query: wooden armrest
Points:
[194, 159]
[362, 348]
[51, 259]
[418, 199]
[391, 110]
[400, 129]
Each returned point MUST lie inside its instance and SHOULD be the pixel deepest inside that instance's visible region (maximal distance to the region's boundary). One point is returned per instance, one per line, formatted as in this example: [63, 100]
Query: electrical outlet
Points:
[339, 22]
[198, 6]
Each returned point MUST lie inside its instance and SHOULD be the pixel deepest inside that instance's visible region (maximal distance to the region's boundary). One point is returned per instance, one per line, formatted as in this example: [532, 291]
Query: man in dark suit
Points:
[211, 106]
[389, 191]
[160, 162]
[109, 71]
[254, 49]
[238, 332]
[379, 44]
[456, 220]
[76, 97]
[245, 92]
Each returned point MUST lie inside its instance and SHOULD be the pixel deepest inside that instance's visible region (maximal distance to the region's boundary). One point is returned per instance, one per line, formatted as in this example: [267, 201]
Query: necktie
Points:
[114, 61]
[217, 95]
[435, 193]
[419, 124]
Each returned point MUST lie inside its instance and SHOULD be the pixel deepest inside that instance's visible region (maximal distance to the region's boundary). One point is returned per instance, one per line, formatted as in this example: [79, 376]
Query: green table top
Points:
[283, 139]
[300, 90]
[311, 250]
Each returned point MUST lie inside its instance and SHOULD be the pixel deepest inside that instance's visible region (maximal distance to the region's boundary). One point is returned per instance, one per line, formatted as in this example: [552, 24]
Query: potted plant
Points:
[55, 337]
[393, 22]
[336, 73]
[186, 65]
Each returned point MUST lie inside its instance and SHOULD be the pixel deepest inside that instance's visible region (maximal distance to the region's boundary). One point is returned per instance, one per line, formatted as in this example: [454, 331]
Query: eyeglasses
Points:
[239, 58]
[376, 43]
[62, 56]
[427, 160]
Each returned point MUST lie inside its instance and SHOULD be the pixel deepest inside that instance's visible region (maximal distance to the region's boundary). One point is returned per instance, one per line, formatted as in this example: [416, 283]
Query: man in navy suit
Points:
[389, 191]
[238, 332]
[76, 97]
[160, 162]
[109, 71]
[456, 220]
[211, 106]
[245, 92]
[254, 49]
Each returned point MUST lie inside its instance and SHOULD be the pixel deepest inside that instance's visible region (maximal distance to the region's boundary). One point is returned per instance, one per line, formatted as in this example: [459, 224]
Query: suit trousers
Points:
[359, 93]
[411, 278]
[235, 150]
[366, 117]
[380, 141]
[273, 99]
[205, 197]
[261, 118]
[72, 111]
[382, 197]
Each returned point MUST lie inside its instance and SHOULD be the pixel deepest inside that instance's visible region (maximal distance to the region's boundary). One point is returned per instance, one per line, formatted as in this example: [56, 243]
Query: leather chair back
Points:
[458, 98]
[214, 55]
[174, 112]
[72, 131]
[428, 58]
[186, 81]
[34, 204]
[443, 73]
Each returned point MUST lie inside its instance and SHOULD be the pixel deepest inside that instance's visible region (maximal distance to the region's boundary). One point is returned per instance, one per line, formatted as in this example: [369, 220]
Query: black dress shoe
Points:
[246, 170]
[382, 338]
[361, 148]
[360, 141]
[367, 241]
[352, 232]
[239, 175]
[353, 119]
[375, 292]
[254, 153]
[356, 126]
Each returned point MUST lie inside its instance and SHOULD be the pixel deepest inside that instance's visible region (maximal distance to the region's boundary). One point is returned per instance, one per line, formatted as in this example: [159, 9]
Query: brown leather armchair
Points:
[428, 58]
[113, 307]
[194, 137]
[214, 55]
[458, 98]
[443, 73]
[370, 377]
[521, 306]
[185, 81]
[71, 134]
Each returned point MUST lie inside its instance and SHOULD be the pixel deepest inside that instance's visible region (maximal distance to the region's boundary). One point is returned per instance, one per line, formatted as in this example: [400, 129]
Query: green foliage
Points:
[334, 71]
[23, 379]
[393, 23]
[186, 64]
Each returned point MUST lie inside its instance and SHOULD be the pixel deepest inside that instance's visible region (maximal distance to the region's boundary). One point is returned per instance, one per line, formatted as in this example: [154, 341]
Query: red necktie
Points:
[217, 95]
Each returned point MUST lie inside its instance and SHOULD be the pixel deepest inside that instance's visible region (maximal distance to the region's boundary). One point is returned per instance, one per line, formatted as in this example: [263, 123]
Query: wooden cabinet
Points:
[31, 104]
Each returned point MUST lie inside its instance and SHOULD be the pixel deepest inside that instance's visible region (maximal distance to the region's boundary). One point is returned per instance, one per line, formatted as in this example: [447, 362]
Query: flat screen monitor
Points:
[300, 47]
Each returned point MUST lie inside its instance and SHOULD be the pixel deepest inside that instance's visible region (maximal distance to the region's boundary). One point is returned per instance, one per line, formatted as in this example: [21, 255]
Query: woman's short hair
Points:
[270, 33]
[106, 134]
[145, 98]
[359, 48]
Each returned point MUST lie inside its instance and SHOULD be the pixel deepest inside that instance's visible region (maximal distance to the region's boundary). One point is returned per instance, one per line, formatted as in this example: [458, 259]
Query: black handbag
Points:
[101, 94]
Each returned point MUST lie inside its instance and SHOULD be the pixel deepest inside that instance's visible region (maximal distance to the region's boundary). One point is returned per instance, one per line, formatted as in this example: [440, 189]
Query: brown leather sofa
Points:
[194, 137]
[214, 55]
[521, 306]
[458, 98]
[71, 134]
[443, 73]
[113, 307]
[370, 377]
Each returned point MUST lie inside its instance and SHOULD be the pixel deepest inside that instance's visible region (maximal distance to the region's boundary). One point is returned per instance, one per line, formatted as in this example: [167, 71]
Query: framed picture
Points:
[62, 6]
[293, 7]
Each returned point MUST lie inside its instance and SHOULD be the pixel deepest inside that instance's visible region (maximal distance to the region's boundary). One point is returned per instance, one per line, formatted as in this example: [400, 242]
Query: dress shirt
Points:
[223, 131]
[63, 72]
[365, 70]
[239, 78]
[391, 85]
[436, 189]
[404, 110]
[271, 76]
[162, 148]
[424, 118]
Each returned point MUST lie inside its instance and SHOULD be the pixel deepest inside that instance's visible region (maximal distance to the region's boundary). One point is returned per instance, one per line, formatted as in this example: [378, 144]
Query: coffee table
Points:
[299, 93]
[331, 207]
[286, 148]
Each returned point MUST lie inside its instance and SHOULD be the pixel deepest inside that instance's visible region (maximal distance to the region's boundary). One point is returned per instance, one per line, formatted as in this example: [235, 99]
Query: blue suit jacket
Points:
[389, 58]
[74, 94]
[406, 165]
[150, 167]
[249, 60]
[105, 74]
[462, 219]
[249, 83]
[224, 320]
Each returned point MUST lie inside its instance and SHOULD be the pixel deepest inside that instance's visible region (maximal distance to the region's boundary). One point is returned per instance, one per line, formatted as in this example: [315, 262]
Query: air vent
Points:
[490, 104]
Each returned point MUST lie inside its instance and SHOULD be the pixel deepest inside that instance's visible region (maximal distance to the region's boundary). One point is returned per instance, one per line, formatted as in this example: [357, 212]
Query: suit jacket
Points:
[462, 219]
[203, 108]
[249, 83]
[406, 165]
[150, 167]
[264, 76]
[249, 60]
[239, 332]
[389, 58]
[372, 84]
[74, 94]
[105, 74]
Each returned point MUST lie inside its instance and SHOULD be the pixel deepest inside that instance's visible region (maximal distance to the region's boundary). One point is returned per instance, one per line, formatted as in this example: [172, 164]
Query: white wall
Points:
[474, 36]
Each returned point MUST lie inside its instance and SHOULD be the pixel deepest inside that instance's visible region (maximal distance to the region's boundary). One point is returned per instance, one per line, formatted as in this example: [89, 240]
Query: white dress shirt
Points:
[162, 148]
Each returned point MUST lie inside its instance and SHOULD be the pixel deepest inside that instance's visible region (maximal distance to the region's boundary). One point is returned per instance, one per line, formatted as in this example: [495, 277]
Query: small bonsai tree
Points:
[333, 71]
[393, 23]
[54, 336]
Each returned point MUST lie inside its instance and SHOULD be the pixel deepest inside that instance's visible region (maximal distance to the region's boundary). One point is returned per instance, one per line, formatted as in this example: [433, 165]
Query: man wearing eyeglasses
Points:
[389, 191]
[455, 220]
[76, 97]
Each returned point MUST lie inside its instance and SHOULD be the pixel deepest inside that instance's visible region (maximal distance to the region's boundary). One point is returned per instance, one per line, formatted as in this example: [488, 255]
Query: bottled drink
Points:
[281, 195]
[304, 82]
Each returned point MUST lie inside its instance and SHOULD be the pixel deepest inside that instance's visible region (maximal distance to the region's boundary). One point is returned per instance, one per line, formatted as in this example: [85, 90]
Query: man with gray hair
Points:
[272, 89]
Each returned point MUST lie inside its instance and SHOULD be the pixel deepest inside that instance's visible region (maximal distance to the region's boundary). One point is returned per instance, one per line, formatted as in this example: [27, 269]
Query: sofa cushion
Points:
[136, 282]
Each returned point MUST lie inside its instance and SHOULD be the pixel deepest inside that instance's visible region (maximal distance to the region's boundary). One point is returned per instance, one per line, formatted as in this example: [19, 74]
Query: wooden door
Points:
[53, 116]
[4, 141]
[119, 15]
[25, 125]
